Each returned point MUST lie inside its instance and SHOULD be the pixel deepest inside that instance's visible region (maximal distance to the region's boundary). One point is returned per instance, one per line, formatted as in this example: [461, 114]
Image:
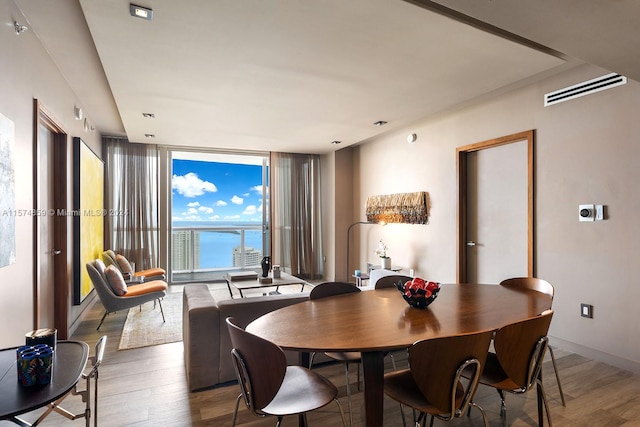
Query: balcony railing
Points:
[206, 250]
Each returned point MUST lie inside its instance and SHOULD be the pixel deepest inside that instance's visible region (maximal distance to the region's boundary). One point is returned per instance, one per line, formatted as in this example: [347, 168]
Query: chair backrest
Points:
[96, 270]
[532, 283]
[109, 258]
[97, 358]
[391, 281]
[437, 365]
[520, 348]
[328, 289]
[260, 366]
[378, 273]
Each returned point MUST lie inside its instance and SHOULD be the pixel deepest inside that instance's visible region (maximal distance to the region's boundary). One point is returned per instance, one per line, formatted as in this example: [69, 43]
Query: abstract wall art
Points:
[7, 193]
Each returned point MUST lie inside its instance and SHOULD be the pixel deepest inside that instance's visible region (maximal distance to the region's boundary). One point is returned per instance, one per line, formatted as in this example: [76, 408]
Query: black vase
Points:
[266, 266]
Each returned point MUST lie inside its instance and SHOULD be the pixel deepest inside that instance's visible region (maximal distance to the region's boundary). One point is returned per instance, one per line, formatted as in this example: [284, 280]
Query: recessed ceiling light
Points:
[141, 12]
[149, 115]
[149, 135]
[380, 123]
[336, 142]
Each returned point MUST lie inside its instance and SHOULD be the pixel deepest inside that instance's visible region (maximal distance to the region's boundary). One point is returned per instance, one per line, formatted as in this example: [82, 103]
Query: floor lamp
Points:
[349, 239]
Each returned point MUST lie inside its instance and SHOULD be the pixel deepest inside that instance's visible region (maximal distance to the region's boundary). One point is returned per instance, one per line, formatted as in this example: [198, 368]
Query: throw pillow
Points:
[115, 280]
[125, 265]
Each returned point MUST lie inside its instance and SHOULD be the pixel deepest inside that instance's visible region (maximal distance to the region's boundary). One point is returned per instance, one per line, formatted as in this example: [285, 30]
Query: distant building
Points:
[185, 247]
[252, 257]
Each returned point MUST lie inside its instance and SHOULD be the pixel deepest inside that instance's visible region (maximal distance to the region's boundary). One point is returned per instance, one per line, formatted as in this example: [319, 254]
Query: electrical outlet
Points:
[586, 310]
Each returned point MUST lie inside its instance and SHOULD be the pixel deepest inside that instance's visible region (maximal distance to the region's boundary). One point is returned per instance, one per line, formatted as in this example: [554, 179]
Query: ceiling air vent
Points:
[584, 88]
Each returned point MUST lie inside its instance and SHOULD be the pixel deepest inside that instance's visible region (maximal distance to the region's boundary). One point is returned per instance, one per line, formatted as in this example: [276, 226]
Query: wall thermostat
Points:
[586, 212]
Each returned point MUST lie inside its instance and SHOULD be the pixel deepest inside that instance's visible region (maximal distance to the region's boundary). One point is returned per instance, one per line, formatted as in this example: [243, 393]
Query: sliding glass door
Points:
[219, 214]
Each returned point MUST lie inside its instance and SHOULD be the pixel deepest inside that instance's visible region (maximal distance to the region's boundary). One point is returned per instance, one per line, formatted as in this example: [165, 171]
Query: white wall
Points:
[586, 151]
[27, 73]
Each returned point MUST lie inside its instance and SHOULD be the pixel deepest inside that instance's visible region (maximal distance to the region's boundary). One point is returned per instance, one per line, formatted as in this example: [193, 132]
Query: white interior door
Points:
[46, 251]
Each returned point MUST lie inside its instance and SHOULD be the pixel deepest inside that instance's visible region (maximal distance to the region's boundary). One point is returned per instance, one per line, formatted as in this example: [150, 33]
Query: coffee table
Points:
[284, 280]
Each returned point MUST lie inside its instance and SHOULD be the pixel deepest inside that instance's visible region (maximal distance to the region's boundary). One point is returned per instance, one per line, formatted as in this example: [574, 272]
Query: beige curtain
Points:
[296, 214]
[131, 200]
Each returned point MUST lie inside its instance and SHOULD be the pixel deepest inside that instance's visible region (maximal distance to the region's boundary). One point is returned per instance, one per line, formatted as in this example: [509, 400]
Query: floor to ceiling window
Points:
[219, 214]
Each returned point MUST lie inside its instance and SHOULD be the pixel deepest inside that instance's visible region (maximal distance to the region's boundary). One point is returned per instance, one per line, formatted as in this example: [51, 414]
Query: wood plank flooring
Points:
[147, 387]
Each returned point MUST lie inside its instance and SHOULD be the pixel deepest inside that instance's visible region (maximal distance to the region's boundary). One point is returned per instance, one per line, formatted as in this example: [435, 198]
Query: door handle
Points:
[471, 243]
[55, 252]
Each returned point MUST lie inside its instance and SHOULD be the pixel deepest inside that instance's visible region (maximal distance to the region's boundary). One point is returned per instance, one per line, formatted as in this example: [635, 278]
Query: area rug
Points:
[144, 327]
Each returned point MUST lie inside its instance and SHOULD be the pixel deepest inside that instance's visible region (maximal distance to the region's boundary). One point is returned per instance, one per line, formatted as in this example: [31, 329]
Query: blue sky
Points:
[216, 191]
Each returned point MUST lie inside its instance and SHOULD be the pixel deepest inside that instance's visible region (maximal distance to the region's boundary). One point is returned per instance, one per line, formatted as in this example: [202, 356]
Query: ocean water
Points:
[216, 247]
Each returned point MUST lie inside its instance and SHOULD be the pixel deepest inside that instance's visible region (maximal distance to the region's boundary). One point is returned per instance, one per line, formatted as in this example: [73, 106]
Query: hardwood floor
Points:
[147, 387]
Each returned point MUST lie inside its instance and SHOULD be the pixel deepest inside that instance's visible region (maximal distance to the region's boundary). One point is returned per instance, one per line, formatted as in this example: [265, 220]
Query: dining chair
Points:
[516, 364]
[270, 387]
[390, 281]
[434, 383]
[96, 361]
[538, 285]
[328, 289]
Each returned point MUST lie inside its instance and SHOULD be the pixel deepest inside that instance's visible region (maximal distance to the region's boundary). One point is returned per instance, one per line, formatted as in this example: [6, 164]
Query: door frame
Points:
[462, 210]
[59, 233]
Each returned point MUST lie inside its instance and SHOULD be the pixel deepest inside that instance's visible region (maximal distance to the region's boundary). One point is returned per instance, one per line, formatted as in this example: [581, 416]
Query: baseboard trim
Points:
[601, 356]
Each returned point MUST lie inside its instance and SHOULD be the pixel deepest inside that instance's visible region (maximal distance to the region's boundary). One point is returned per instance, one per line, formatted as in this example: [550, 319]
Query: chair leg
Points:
[503, 408]
[344, 422]
[346, 374]
[545, 402]
[161, 310]
[393, 361]
[313, 354]
[484, 414]
[102, 320]
[555, 369]
[235, 411]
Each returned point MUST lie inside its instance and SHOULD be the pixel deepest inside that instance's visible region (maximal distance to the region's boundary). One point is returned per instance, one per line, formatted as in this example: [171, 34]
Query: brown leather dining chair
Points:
[270, 387]
[515, 366]
[434, 383]
[538, 285]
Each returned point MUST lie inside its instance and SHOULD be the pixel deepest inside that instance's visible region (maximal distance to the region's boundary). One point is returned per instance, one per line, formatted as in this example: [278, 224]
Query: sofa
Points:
[207, 346]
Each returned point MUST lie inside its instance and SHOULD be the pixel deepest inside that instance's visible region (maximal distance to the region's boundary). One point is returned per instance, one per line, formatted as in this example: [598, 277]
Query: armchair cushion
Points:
[115, 280]
[146, 287]
[124, 264]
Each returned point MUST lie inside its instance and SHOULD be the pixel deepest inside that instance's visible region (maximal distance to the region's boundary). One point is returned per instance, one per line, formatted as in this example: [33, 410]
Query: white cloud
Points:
[257, 189]
[221, 203]
[250, 210]
[193, 204]
[205, 209]
[237, 200]
[229, 217]
[190, 185]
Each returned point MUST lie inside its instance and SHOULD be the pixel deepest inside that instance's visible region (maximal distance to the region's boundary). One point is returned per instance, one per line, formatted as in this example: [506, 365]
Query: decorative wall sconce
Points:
[406, 208]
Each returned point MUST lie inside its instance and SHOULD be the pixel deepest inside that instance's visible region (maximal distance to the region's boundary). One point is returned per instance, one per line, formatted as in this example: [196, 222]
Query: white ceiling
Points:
[294, 75]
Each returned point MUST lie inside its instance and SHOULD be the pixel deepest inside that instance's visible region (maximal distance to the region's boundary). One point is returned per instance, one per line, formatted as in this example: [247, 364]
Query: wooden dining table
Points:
[378, 321]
